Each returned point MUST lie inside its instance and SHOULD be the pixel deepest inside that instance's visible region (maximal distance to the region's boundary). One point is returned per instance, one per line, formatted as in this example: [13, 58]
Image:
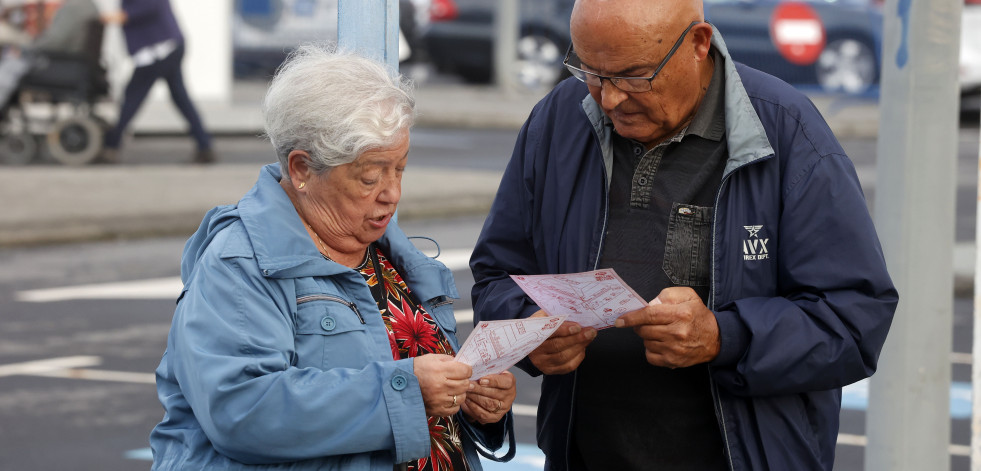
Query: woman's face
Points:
[354, 202]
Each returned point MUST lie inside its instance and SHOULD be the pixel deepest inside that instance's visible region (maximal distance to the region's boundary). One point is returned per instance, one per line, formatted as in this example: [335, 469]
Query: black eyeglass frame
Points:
[582, 75]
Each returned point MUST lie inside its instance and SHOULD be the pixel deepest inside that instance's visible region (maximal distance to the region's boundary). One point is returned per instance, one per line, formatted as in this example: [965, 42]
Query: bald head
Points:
[632, 19]
[637, 39]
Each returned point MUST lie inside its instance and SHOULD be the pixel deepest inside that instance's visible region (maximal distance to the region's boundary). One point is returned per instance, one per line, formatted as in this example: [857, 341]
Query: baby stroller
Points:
[53, 107]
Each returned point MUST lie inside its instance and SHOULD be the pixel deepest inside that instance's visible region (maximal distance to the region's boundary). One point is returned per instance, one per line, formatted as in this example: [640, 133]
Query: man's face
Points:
[647, 117]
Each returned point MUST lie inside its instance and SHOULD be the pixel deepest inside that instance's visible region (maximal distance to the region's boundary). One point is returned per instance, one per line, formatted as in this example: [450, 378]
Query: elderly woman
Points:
[311, 334]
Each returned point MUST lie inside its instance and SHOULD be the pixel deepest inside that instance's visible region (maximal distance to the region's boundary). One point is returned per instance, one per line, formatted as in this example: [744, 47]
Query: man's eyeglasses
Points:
[627, 84]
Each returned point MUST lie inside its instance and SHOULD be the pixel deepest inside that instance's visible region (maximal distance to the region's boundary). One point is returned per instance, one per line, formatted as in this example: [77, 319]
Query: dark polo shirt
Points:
[628, 414]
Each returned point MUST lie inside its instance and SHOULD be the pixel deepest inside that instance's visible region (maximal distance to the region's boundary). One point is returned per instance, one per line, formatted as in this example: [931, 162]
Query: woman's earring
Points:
[302, 184]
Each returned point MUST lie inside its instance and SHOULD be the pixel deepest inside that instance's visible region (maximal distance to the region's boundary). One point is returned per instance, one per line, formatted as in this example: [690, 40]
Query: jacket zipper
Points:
[599, 254]
[717, 399]
[326, 297]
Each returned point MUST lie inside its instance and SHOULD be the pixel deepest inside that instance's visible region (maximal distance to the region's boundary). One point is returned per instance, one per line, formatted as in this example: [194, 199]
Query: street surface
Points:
[84, 325]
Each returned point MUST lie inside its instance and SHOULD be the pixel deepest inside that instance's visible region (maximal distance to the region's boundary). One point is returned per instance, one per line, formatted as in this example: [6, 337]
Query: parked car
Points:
[265, 31]
[464, 45]
[832, 44]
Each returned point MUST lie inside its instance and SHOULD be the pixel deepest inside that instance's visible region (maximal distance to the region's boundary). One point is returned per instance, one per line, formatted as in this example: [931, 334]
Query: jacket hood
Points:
[282, 247]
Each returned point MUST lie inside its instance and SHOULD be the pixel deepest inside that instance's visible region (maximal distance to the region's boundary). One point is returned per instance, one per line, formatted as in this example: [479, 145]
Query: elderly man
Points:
[720, 194]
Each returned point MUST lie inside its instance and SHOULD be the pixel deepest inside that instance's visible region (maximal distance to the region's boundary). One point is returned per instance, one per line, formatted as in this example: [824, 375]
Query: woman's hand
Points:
[444, 383]
[490, 398]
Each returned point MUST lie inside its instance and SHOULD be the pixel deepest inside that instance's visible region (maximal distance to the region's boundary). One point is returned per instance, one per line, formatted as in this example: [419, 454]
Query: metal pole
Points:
[371, 28]
[976, 344]
[908, 422]
[505, 43]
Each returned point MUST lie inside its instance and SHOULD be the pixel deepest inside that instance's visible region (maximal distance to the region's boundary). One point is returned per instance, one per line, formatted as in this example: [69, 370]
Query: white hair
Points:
[335, 105]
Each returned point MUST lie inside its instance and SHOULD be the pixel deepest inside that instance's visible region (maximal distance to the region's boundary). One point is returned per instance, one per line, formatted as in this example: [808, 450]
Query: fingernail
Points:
[574, 329]
[619, 323]
[590, 334]
[471, 386]
[484, 382]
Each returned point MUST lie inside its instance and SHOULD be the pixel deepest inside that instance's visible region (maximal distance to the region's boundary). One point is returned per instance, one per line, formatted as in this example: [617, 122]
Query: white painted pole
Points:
[506, 44]
[908, 422]
[371, 28]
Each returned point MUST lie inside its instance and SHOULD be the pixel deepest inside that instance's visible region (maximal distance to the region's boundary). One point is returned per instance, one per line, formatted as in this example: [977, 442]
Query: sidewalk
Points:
[56, 204]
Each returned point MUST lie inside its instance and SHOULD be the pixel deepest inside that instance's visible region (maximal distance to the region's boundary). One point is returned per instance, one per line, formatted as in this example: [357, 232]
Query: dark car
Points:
[831, 44]
[464, 45]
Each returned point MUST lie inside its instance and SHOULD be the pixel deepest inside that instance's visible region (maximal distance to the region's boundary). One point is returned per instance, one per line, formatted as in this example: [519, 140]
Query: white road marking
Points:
[38, 367]
[102, 375]
[463, 316]
[170, 287]
[525, 410]
[156, 288]
[861, 440]
[73, 368]
[454, 259]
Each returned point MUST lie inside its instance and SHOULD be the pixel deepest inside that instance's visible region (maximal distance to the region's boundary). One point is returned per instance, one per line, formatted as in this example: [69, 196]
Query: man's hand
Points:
[564, 350]
[490, 398]
[678, 330]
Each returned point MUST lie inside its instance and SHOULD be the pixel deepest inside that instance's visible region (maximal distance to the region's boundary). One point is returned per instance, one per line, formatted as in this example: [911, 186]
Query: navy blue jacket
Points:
[149, 22]
[798, 282]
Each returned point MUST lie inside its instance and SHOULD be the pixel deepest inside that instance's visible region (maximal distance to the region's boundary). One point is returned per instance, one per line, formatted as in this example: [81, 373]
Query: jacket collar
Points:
[745, 134]
[283, 248]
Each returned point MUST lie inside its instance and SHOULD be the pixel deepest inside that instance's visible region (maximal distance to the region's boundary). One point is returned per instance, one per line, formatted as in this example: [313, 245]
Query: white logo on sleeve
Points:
[754, 247]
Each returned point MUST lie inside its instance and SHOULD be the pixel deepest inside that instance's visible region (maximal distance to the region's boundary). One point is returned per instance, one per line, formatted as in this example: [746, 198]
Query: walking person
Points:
[156, 45]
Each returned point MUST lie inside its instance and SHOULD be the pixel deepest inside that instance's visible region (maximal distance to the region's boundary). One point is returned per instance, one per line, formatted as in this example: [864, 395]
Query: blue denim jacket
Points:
[278, 358]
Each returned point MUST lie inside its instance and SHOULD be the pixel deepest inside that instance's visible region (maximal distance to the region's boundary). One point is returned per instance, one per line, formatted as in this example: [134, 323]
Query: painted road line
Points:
[959, 358]
[170, 287]
[454, 259]
[861, 440]
[38, 367]
[101, 375]
[856, 397]
[156, 288]
[74, 368]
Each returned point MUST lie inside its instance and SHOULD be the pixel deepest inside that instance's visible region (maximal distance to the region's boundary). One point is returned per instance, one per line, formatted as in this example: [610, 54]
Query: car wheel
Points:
[846, 65]
[539, 61]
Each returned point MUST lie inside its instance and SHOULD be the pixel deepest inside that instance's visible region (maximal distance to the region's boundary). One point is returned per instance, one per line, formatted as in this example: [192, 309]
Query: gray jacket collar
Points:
[745, 134]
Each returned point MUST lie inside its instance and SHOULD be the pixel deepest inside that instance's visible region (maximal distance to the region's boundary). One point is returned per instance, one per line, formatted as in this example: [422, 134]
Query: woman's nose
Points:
[392, 191]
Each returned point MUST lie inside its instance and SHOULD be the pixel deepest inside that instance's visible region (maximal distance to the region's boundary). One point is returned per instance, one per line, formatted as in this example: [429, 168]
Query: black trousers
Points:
[139, 86]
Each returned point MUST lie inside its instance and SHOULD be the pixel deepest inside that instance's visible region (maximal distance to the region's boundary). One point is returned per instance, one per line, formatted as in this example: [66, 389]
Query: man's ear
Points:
[702, 39]
[298, 166]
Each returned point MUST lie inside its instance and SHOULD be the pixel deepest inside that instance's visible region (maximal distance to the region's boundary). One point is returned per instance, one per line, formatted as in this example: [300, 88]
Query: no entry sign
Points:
[797, 32]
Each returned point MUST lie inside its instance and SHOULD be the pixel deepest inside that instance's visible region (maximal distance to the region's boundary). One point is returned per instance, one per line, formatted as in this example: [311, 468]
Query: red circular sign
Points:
[797, 32]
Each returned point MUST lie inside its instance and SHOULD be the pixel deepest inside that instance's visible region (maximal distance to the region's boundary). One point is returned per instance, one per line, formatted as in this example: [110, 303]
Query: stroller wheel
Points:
[75, 141]
[17, 148]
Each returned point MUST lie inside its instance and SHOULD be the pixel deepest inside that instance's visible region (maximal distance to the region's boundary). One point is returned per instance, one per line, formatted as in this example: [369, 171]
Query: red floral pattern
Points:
[413, 332]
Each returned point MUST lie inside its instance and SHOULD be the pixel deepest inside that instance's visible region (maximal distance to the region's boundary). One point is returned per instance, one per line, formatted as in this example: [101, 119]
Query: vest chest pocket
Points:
[687, 247]
[330, 333]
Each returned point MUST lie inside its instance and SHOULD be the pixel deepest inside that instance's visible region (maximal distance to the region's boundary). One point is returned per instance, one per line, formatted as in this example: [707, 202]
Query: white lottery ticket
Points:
[495, 346]
[591, 299]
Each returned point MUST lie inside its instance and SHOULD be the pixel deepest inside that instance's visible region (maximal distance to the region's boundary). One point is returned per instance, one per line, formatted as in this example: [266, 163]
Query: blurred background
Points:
[89, 253]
